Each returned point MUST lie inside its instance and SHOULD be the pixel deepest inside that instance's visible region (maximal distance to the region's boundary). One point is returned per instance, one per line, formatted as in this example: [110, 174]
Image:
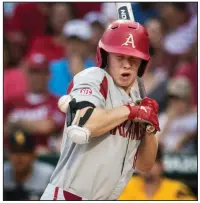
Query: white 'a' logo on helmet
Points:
[129, 40]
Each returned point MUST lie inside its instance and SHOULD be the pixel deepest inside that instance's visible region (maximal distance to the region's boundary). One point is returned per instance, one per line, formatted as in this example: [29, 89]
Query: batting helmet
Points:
[124, 37]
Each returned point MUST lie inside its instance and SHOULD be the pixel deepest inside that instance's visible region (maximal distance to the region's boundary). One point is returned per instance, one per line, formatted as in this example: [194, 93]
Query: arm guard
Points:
[75, 130]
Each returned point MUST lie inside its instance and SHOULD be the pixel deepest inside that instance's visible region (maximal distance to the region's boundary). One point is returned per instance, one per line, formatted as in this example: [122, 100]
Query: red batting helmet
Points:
[124, 37]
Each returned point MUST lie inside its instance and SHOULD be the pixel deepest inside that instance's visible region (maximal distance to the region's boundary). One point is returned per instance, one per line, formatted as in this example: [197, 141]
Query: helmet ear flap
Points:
[101, 58]
[104, 55]
[142, 68]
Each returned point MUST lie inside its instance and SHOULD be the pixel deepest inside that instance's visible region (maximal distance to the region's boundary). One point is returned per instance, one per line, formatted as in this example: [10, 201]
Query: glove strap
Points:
[133, 111]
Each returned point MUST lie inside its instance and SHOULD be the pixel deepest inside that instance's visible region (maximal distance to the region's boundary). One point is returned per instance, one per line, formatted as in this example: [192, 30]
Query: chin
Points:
[125, 85]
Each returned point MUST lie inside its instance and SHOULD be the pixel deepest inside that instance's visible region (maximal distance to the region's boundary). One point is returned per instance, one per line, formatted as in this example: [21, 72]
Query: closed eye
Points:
[135, 60]
[120, 57]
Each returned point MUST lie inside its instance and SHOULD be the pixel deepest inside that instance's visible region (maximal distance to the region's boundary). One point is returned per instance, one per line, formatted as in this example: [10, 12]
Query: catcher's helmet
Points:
[124, 37]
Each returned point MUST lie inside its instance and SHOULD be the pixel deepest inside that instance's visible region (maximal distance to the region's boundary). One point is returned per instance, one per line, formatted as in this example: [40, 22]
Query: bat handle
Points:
[149, 128]
[141, 87]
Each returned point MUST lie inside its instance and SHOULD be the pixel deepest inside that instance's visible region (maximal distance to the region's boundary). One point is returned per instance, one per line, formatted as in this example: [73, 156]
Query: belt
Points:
[67, 195]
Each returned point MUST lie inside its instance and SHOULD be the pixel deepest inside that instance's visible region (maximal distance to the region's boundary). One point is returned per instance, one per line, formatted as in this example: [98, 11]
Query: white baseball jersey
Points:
[100, 169]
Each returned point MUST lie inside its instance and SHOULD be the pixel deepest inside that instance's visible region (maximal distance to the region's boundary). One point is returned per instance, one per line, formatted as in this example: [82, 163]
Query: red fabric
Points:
[56, 193]
[7, 25]
[81, 8]
[21, 108]
[48, 47]
[29, 20]
[147, 111]
[67, 195]
[71, 85]
[70, 196]
[14, 83]
[104, 87]
[37, 61]
[189, 70]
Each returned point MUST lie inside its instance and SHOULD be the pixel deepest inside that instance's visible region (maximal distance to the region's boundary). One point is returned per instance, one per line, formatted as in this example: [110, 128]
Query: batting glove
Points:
[146, 112]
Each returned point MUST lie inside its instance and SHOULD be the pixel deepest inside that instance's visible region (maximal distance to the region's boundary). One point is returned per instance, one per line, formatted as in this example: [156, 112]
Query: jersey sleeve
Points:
[90, 85]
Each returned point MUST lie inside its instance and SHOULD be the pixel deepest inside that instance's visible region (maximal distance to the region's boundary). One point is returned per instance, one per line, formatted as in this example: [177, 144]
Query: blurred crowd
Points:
[46, 44]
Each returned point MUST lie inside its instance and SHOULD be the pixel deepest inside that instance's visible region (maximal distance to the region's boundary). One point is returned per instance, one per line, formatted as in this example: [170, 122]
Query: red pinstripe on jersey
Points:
[71, 85]
[104, 87]
[56, 193]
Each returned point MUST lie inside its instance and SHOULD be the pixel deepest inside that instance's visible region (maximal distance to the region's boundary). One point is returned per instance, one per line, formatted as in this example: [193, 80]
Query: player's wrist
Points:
[133, 110]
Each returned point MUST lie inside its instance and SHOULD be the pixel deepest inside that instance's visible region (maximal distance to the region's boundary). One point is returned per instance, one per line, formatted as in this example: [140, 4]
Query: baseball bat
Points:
[125, 12]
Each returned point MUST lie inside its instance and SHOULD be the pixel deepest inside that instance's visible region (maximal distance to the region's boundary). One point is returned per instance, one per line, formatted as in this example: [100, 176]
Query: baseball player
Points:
[105, 138]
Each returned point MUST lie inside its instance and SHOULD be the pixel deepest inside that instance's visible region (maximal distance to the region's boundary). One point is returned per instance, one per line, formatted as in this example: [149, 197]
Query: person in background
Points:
[24, 177]
[29, 20]
[77, 34]
[181, 27]
[16, 50]
[14, 81]
[98, 23]
[155, 186]
[179, 121]
[188, 68]
[52, 44]
[36, 110]
[7, 58]
[160, 65]
[81, 8]
[109, 11]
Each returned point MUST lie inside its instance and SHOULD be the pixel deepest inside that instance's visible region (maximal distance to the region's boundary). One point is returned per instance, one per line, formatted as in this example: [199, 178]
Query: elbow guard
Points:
[78, 134]
[73, 112]
[75, 130]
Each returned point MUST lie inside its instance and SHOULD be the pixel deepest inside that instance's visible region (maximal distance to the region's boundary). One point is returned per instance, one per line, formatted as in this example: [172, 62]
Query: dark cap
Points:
[37, 61]
[21, 141]
[180, 87]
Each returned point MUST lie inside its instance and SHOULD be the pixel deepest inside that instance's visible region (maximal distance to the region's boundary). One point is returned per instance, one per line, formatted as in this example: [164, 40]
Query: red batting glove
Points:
[146, 112]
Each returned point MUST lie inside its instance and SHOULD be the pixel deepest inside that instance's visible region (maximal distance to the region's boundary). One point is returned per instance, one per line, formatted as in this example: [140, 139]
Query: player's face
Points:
[181, 106]
[155, 31]
[76, 47]
[60, 14]
[38, 80]
[172, 16]
[123, 69]
[21, 162]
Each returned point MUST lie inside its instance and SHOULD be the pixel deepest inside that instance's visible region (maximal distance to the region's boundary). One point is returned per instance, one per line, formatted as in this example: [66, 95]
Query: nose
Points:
[126, 64]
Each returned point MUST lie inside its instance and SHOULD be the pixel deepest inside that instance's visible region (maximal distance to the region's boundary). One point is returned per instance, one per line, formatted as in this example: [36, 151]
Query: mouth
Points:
[125, 75]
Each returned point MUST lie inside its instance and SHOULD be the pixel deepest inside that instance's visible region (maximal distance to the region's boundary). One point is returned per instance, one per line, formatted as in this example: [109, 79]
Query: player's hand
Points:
[146, 112]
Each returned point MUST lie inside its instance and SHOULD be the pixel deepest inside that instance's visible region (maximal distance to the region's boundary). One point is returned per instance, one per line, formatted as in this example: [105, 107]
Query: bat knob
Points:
[150, 129]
